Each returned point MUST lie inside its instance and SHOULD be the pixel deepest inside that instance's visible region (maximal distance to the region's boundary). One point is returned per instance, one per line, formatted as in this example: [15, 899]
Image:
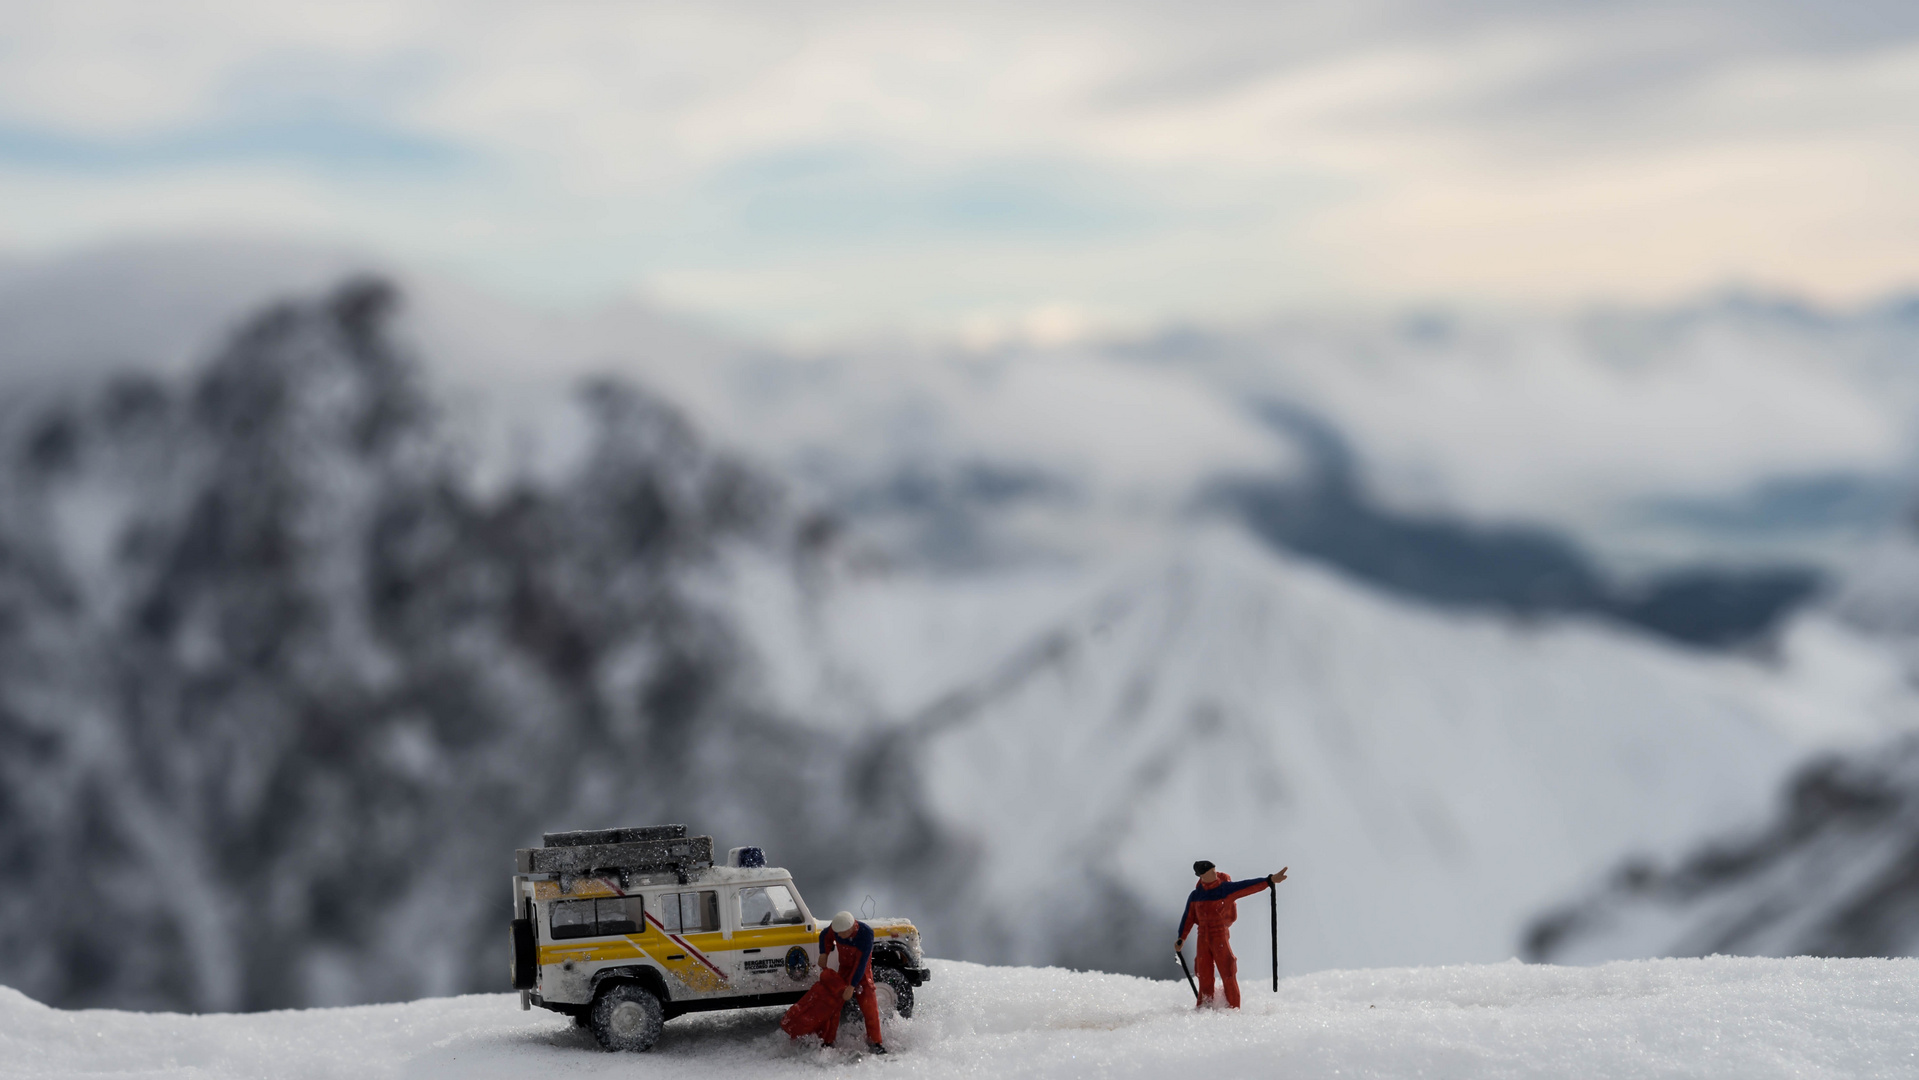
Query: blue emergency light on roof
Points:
[746, 857]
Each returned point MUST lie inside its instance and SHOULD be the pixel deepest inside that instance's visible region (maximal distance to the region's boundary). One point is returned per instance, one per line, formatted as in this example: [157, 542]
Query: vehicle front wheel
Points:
[626, 1016]
[892, 992]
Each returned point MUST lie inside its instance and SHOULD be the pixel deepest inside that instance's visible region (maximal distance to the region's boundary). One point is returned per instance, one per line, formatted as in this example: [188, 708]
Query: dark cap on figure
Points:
[1200, 867]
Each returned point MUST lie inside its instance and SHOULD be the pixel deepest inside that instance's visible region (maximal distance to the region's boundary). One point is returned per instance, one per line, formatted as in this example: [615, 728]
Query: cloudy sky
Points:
[822, 167]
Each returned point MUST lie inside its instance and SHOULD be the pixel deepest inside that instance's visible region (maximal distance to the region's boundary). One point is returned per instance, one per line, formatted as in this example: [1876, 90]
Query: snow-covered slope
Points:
[1834, 873]
[1832, 868]
[1432, 780]
[1731, 1018]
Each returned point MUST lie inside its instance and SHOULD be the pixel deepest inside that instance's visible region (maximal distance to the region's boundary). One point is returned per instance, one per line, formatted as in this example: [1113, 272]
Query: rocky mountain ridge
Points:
[1835, 872]
[280, 694]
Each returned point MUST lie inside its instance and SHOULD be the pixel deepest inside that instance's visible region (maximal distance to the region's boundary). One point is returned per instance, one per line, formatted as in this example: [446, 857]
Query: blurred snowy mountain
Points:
[281, 692]
[1432, 779]
[1835, 872]
[1831, 870]
[297, 644]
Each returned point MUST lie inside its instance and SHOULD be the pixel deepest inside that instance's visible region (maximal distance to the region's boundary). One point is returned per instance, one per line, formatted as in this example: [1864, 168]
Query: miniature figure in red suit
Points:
[1212, 907]
[848, 946]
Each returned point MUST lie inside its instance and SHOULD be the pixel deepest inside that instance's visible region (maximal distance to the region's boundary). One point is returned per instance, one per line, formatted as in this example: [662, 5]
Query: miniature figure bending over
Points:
[847, 945]
[1212, 907]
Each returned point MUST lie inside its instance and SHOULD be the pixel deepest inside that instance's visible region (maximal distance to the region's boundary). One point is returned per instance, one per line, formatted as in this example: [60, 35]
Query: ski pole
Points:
[1272, 894]
[1181, 957]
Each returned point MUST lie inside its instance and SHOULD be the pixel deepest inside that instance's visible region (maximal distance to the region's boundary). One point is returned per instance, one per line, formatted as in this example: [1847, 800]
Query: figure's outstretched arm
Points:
[1233, 890]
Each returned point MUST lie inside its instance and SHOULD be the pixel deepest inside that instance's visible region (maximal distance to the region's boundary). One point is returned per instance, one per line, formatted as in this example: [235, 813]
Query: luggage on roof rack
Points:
[618, 851]
[638, 835]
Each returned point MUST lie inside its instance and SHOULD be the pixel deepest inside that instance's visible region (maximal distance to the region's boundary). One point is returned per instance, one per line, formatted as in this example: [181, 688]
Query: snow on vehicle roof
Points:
[734, 875]
[601, 884]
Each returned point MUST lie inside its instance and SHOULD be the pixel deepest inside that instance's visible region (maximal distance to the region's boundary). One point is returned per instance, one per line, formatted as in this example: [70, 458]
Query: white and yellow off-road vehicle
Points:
[624, 929]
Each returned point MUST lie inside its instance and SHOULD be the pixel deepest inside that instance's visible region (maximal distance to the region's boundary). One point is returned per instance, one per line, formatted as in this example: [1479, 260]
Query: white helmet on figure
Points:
[843, 922]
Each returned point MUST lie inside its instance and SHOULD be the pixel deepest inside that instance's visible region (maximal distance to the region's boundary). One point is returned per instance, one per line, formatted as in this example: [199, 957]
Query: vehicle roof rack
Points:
[638, 835]
[617, 852]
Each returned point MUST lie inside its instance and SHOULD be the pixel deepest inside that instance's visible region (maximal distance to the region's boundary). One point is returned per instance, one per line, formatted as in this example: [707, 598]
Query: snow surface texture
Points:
[1722, 1017]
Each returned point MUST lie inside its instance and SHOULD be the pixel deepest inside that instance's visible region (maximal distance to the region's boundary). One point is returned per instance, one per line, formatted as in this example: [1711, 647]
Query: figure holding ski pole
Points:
[1212, 907]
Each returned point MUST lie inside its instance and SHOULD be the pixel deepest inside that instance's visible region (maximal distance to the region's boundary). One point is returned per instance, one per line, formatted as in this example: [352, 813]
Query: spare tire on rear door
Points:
[526, 958]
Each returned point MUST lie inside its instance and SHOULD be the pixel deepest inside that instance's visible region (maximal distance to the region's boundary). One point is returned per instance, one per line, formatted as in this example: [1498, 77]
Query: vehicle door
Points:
[587, 931]
[694, 946]
[776, 948]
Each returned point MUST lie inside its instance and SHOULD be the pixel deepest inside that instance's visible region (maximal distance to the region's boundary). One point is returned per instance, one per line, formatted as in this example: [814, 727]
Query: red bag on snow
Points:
[818, 1013]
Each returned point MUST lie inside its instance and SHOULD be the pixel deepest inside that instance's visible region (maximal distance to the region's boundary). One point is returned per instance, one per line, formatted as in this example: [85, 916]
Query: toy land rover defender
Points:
[624, 929]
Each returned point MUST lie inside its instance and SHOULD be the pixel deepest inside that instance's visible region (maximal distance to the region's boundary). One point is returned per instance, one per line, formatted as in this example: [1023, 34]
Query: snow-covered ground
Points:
[1718, 1017]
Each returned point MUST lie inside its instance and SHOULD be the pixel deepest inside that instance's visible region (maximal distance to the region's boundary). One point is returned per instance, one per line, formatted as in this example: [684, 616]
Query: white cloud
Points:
[1269, 156]
[1586, 422]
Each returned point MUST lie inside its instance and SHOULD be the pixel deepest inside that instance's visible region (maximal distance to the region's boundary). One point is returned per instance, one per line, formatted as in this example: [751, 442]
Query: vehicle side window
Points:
[571, 919]
[592, 918]
[619, 914]
[699, 911]
[770, 905]
[690, 912]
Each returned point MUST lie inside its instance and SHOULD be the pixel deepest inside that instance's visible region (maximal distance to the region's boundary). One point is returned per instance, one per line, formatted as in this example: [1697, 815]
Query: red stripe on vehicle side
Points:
[682, 943]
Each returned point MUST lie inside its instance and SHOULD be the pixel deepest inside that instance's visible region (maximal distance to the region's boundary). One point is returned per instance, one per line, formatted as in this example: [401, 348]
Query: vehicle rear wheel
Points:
[892, 993]
[626, 1016]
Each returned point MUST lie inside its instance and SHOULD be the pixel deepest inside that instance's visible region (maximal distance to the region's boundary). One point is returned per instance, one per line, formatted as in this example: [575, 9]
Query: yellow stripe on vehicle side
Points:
[693, 968]
[620, 948]
[660, 949]
[773, 937]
